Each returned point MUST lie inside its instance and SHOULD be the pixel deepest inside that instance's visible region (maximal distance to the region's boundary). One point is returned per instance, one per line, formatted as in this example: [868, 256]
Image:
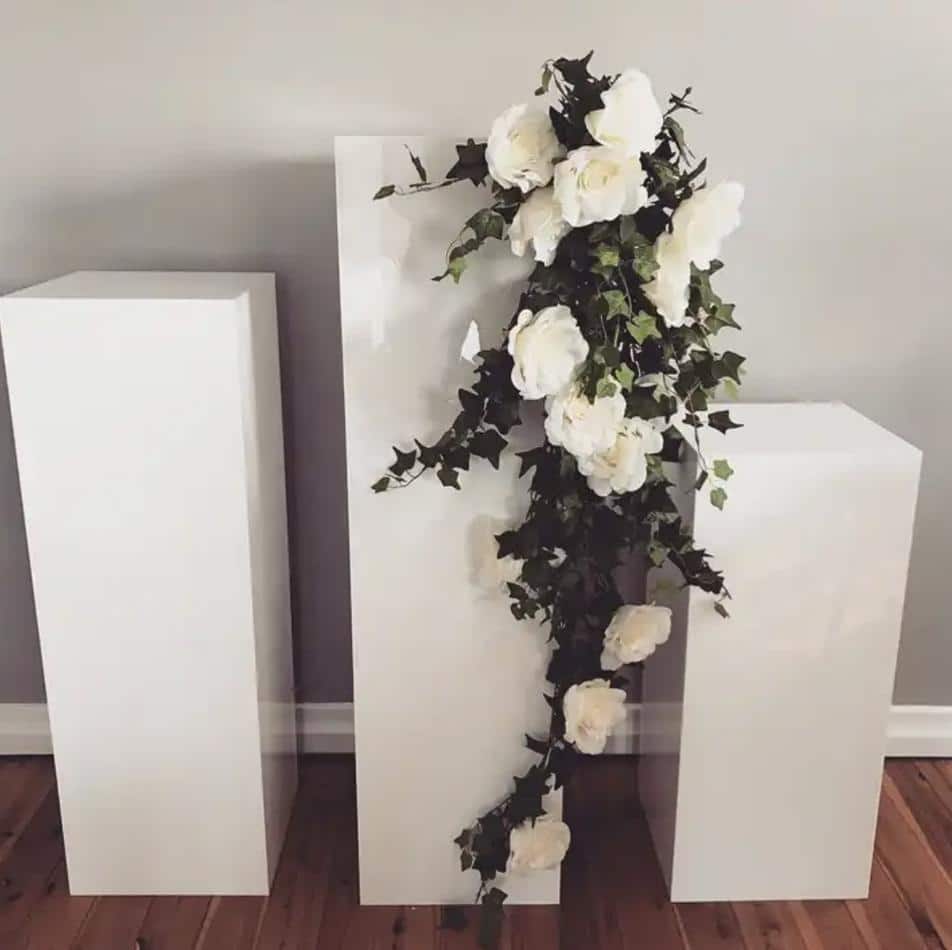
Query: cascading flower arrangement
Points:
[615, 332]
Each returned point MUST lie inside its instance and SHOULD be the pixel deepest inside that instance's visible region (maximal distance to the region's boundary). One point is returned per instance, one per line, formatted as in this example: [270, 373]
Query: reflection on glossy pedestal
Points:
[147, 417]
[446, 682]
[764, 734]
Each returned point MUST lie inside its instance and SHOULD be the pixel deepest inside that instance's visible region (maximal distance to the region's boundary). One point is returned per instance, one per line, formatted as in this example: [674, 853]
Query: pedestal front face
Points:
[146, 412]
[765, 733]
[446, 682]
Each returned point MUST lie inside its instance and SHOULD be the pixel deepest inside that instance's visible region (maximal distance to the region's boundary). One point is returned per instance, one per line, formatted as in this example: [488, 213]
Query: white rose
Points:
[624, 467]
[522, 148]
[596, 183]
[547, 348]
[493, 572]
[583, 427]
[635, 632]
[703, 221]
[668, 289]
[592, 710]
[697, 229]
[631, 117]
[538, 223]
[538, 846]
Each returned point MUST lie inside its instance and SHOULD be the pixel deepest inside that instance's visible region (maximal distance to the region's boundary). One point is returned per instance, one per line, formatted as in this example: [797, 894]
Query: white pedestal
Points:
[764, 734]
[146, 412]
[446, 682]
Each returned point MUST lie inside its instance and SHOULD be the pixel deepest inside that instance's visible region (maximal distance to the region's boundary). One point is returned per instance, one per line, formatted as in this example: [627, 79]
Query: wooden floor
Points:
[613, 897]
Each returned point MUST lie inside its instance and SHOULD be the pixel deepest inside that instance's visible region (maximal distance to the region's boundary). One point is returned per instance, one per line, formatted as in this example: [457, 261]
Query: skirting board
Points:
[328, 728]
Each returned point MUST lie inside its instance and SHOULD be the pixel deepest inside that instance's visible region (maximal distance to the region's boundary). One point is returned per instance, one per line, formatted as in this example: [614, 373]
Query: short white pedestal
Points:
[446, 682]
[764, 734]
[146, 412]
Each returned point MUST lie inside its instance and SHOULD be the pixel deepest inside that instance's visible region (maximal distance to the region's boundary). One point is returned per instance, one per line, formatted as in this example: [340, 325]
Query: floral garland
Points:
[614, 331]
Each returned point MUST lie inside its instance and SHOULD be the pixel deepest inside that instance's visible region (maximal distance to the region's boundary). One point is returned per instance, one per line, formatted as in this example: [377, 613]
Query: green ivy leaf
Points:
[718, 497]
[488, 444]
[617, 303]
[405, 461]
[625, 376]
[729, 365]
[607, 255]
[381, 484]
[721, 421]
[722, 469]
[643, 326]
[487, 223]
[543, 87]
[417, 164]
[454, 269]
[721, 609]
[606, 387]
[657, 553]
[448, 477]
[385, 192]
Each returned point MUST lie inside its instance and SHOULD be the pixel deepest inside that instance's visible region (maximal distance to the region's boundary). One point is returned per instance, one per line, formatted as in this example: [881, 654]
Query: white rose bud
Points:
[539, 845]
[624, 467]
[635, 632]
[538, 226]
[631, 117]
[522, 148]
[583, 427]
[592, 710]
[547, 349]
[596, 183]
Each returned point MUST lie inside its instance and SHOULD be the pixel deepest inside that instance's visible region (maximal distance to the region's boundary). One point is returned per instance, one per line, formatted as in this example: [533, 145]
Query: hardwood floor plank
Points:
[923, 884]
[709, 927]
[534, 928]
[25, 874]
[416, 927]
[113, 922]
[939, 781]
[292, 919]
[828, 925]
[174, 923]
[231, 922]
[24, 784]
[884, 916]
[911, 780]
[56, 919]
[768, 925]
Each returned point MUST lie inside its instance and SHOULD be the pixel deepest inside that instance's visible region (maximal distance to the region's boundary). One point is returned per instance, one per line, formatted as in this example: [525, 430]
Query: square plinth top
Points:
[147, 285]
[796, 427]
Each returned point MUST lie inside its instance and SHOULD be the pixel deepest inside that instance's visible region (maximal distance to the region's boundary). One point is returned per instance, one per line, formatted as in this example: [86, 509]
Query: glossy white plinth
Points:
[446, 682]
[147, 418]
[764, 734]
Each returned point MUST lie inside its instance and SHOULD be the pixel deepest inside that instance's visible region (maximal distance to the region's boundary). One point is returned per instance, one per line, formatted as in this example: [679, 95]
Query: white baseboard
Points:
[324, 728]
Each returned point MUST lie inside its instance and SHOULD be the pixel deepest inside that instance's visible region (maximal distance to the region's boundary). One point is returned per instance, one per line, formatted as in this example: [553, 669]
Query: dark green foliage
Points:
[572, 541]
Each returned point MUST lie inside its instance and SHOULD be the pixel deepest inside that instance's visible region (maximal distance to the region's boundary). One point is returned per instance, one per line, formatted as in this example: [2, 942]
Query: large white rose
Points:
[631, 117]
[624, 467]
[522, 148]
[592, 710]
[539, 226]
[635, 632]
[697, 229]
[539, 845]
[583, 427]
[597, 183]
[703, 221]
[547, 348]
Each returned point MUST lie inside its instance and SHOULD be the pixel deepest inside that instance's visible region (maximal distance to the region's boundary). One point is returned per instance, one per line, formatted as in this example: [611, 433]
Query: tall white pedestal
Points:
[146, 413]
[764, 734]
[446, 682]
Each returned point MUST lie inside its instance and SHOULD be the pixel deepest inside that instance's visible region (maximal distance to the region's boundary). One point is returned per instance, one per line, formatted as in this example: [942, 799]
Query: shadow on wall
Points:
[268, 217]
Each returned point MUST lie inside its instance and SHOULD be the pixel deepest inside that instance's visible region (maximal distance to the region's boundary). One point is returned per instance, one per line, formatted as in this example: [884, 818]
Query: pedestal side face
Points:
[128, 424]
[268, 533]
[446, 682]
[785, 704]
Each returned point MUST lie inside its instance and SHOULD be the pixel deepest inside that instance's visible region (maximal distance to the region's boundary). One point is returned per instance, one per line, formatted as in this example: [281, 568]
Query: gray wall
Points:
[197, 135]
